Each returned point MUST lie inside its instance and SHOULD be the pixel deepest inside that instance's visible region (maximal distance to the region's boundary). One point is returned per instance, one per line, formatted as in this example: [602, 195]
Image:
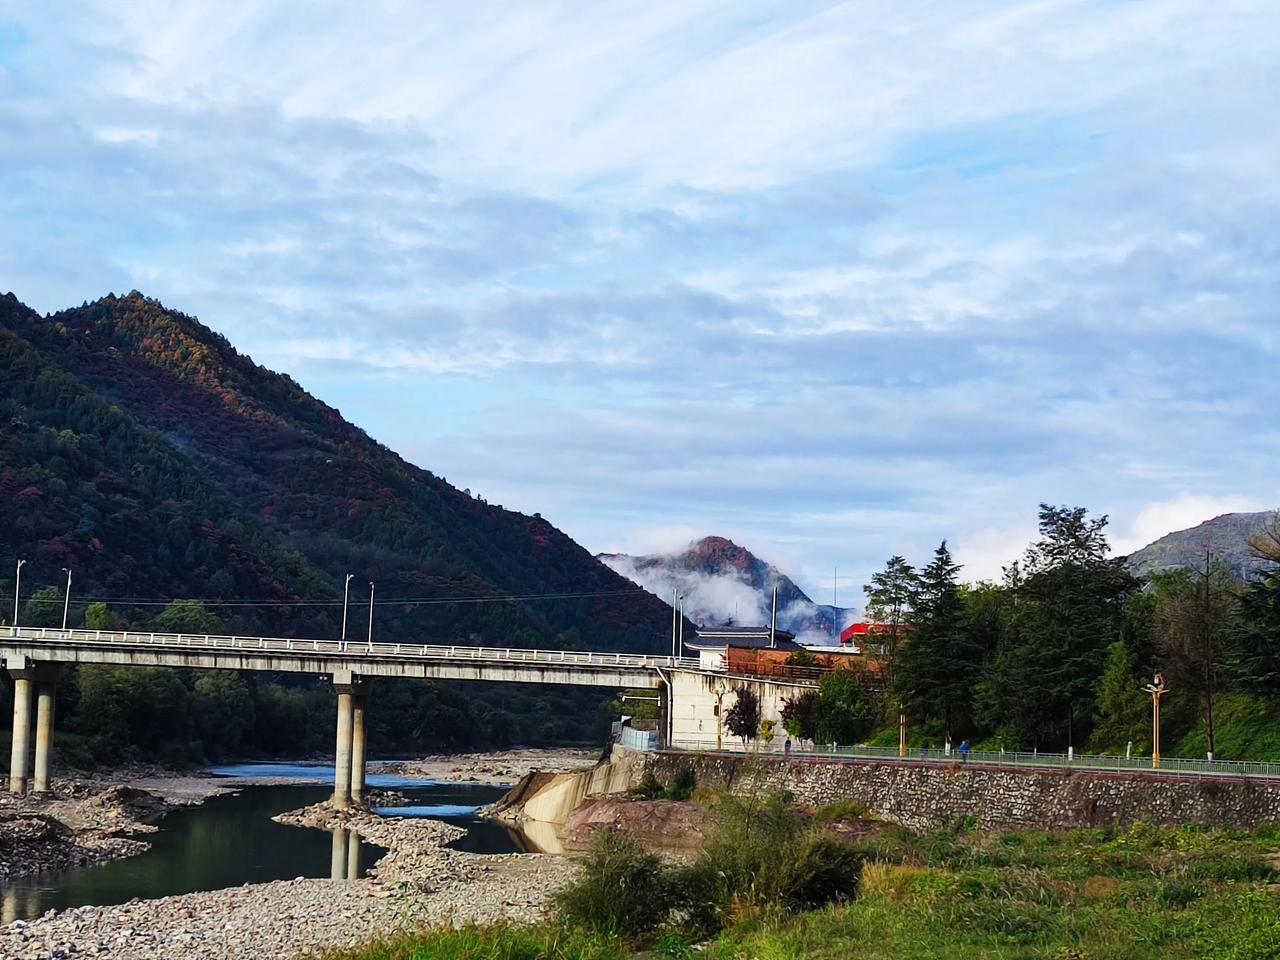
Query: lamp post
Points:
[17, 583]
[346, 593]
[66, 598]
[370, 616]
[1155, 688]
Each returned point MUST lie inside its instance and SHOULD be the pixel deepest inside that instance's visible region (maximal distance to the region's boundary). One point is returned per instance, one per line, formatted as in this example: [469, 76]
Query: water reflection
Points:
[344, 861]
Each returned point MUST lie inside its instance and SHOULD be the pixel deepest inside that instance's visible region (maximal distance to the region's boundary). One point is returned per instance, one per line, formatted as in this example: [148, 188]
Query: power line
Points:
[401, 601]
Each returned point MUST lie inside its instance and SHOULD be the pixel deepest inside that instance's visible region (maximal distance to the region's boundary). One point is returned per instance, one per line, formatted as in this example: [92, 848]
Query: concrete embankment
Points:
[931, 796]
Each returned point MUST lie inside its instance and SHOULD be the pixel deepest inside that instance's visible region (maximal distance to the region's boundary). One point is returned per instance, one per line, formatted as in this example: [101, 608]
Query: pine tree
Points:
[891, 599]
[939, 661]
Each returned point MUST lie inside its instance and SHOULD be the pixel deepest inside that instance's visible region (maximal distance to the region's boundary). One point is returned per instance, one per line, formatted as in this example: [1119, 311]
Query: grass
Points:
[498, 942]
[1174, 893]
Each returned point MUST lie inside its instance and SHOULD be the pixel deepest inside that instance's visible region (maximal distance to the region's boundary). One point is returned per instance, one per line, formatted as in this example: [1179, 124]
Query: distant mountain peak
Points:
[724, 583]
[1226, 536]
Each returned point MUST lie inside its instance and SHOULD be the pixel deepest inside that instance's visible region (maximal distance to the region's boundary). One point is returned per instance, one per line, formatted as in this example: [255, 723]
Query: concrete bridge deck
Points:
[339, 658]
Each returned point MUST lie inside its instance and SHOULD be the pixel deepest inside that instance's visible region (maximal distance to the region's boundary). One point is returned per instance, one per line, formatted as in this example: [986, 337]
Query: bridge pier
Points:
[349, 752]
[33, 685]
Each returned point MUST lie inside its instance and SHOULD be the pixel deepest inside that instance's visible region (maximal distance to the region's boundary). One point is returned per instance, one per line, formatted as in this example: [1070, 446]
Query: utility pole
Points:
[346, 592]
[370, 616]
[66, 599]
[17, 584]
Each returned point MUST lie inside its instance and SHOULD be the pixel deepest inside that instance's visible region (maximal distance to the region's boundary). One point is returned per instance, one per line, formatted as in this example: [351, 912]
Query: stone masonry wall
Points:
[938, 795]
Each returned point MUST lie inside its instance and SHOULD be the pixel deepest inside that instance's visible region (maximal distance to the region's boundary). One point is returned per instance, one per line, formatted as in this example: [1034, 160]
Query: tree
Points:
[847, 709]
[939, 661]
[743, 718]
[891, 598]
[186, 616]
[799, 715]
[1195, 616]
[97, 616]
[1067, 602]
[44, 609]
[223, 713]
[1124, 714]
[1255, 662]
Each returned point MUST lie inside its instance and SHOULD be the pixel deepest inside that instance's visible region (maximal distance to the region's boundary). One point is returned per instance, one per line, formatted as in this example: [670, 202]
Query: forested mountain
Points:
[723, 583]
[1227, 537]
[139, 449]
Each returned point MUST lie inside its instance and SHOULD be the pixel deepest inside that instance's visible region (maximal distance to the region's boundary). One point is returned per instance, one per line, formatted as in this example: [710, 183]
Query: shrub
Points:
[762, 860]
[622, 891]
[683, 783]
[1178, 893]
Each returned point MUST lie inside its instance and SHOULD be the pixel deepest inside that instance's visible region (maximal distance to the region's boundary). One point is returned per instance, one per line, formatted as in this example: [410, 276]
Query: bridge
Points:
[35, 655]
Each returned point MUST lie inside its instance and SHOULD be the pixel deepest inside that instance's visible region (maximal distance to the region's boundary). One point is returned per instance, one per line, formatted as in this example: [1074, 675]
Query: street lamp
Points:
[1155, 688]
[346, 592]
[17, 583]
[66, 598]
[370, 616]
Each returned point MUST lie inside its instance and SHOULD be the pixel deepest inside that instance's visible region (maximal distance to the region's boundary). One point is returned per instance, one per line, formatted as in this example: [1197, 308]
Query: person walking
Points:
[786, 747]
[964, 751]
[924, 752]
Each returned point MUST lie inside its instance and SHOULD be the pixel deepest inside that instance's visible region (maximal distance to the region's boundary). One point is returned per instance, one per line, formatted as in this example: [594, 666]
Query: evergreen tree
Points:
[1255, 662]
[891, 599]
[1067, 606]
[939, 661]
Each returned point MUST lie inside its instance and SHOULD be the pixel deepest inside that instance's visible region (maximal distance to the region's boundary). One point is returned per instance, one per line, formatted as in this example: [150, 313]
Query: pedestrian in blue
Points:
[964, 751]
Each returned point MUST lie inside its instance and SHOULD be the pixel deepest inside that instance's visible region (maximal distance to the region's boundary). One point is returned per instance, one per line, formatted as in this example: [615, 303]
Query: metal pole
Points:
[674, 614]
[17, 584]
[346, 592]
[773, 621]
[66, 600]
[370, 614]
[681, 647]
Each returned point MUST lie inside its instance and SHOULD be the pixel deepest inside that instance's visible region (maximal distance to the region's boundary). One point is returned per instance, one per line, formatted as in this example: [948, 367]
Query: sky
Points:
[834, 280]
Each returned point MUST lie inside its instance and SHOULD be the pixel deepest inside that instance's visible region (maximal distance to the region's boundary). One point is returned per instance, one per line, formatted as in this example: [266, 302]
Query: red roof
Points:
[848, 634]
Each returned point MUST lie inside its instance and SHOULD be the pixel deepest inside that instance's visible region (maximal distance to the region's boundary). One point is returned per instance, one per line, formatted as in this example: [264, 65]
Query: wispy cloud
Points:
[836, 279]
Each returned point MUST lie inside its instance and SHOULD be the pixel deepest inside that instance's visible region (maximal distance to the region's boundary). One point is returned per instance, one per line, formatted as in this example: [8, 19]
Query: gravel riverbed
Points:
[418, 882]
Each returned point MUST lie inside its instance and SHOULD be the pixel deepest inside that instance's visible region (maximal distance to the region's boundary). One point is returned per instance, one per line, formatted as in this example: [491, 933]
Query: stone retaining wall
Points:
[938, 795]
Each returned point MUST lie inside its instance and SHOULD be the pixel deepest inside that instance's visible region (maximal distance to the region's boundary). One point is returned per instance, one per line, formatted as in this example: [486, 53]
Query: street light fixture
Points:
[17, 583]
[346, 592]
[66, 598]
[1155, 688]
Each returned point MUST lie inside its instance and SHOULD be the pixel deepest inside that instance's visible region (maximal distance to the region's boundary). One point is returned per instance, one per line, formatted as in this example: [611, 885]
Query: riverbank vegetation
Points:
[1105, 894]
[1058, 654]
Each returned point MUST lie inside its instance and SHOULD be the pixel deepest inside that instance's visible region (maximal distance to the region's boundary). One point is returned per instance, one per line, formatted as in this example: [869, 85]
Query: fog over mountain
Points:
[723, 583]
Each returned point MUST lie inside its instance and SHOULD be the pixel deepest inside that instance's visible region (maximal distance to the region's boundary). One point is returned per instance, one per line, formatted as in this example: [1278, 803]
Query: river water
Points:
[231, 840]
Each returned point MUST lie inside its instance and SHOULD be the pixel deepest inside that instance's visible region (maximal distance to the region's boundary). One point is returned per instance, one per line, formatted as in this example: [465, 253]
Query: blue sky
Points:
[834, 280]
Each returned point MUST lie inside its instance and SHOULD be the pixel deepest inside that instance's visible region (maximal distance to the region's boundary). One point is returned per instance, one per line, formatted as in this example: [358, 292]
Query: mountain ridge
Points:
[1226, 535]
[262, 456]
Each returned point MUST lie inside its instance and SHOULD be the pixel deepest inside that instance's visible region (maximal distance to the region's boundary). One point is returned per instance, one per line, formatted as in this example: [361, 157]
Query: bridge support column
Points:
[342, 755]
[348, 760]
[33, 685]
[21, 734]
[359, 703]
[45, 702]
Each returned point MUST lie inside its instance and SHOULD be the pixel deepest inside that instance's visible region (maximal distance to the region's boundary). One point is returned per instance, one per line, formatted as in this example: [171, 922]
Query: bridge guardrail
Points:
[1169, 766]
[348, 648]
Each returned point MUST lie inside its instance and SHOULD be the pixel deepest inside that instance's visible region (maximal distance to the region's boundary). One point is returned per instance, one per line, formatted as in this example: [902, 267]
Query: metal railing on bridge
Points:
[1169, 766]
[347, 648]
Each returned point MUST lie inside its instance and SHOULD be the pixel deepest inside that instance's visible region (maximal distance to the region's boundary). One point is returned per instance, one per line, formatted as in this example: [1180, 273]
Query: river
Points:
[231, 840]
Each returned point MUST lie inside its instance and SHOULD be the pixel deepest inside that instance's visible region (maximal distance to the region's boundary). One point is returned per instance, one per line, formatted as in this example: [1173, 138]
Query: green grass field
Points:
[1139, 892]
